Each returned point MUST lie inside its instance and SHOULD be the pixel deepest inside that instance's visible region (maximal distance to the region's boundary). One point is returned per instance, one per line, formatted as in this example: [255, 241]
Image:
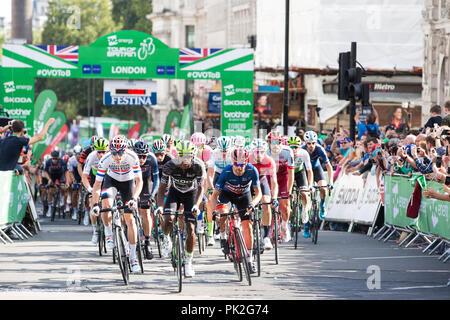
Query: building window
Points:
[190, 37]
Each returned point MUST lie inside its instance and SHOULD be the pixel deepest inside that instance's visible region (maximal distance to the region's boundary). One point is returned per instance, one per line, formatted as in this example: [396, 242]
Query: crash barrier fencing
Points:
[431, 224]
[18, 214]
[354, 200]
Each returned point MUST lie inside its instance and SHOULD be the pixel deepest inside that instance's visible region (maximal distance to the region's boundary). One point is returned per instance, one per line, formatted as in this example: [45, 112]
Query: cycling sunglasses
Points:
[295, 147]
[259, 151]
[142, 156]
[310, 143]
[275, 142]
[101, 151]
[115, 153]
[237, 164]
[159, 154]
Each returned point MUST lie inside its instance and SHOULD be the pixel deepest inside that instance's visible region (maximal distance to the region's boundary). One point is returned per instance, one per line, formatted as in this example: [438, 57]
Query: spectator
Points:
[11, 146]
[432, 194]
[397, 123]
[436, 119]
[447, 108]
[371, 126]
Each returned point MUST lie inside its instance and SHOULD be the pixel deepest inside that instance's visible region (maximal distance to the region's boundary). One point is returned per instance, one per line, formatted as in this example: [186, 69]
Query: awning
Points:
[330, 106]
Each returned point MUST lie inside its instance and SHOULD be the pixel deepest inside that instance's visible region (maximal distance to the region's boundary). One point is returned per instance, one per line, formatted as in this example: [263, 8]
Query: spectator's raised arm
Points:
[41, 135]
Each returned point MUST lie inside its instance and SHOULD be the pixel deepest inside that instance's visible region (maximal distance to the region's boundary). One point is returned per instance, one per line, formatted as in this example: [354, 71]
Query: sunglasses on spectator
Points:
[237, 164]
[117, 153]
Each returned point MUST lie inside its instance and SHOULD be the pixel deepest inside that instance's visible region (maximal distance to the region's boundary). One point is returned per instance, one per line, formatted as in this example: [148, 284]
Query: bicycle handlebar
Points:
[113, 208]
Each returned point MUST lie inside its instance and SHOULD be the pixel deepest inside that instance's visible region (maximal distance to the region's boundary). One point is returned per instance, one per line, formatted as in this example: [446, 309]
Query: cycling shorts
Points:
[241, 202]
[144, 201]
[265, 187]
[318, 174]
[216, 177]
[175, 198]
[111, 187]
[300, 179]
[282, 185]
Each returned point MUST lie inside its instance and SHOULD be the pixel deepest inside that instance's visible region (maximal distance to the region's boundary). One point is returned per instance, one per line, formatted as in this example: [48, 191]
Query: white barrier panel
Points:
[352, 200]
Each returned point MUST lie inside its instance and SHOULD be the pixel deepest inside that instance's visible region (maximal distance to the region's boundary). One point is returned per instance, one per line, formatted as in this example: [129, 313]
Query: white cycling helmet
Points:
[310, 136]
[77, 149]
[258, 144]
[223, 143]
[239, 142]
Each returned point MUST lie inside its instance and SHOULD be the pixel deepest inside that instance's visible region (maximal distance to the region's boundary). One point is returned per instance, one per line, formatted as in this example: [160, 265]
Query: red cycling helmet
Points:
[118, 143]
[274, 136]
[240, 155]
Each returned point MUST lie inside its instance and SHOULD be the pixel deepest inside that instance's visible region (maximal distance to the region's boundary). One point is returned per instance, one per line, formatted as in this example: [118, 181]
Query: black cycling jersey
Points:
[184, 180]
[161, 164]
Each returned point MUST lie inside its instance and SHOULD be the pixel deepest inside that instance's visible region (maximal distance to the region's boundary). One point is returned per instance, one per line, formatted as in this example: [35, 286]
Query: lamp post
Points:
[286, 72]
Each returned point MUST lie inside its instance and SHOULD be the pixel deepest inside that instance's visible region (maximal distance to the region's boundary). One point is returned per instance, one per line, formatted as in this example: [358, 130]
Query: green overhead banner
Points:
[129, 55]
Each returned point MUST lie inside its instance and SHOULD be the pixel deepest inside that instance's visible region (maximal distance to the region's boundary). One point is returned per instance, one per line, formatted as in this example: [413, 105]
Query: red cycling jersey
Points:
[266, 167]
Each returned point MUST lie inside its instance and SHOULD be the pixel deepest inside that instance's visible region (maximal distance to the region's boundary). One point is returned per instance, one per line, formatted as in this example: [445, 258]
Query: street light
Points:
[286, 72]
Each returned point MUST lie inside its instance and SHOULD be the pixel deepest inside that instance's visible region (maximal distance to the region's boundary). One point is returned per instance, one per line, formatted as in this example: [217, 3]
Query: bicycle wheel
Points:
[156, 233]
[275, 235]
[257, 245]
[80, 209]
[100, 238]
[243, 256]
[177, 260]
[315, 226]
[139, 247]
[297, 210]
[121, 254]
[235, 258]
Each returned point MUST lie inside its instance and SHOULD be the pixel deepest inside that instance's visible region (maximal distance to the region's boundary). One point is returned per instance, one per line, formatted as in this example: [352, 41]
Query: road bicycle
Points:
[56, 203]
[101, 236]
[120, 251]
[314, 220]
[157, 232]
[258, 250]
[177, 255]
[237, 250]
[81, 207]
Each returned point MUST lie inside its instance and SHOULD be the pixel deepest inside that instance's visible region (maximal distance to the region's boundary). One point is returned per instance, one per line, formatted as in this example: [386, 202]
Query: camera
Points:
[4, 121]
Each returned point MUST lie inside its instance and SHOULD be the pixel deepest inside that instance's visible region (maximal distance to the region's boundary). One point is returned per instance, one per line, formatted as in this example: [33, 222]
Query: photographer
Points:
[11, 146]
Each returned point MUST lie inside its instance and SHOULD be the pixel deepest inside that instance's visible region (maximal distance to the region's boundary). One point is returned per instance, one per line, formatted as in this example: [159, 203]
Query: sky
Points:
[5, 10]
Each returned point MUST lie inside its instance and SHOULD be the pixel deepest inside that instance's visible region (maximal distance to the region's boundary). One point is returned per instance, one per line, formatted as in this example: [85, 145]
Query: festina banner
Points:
[354, 200]
[129, 93]
[130, 55]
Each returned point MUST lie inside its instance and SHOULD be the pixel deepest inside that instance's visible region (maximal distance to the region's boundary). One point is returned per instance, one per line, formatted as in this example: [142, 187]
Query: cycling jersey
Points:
[161, 164]
[73, 167]
[317, 156]
[127, 170]
[266, 168]
[184, 180]
[284, 160]
[85, 153]
[302, 161]
[56, 170]
[219, 161]
[91, 164]
[150, 173]
[238, 185]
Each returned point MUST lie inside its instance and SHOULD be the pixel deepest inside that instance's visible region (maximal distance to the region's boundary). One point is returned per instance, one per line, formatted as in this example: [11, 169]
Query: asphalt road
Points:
[60, 263]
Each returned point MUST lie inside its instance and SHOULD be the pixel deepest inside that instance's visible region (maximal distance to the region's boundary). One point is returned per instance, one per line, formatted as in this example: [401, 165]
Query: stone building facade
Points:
[436, 66]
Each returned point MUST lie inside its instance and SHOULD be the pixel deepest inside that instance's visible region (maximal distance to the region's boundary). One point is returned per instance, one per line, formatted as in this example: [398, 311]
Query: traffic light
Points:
[344, 65]
[353, 76]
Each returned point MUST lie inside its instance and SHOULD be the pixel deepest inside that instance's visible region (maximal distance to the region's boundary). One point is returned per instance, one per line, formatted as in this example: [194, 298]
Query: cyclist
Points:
[185, 175]
[75, 179]
[302, 163]
[130, 143]
[88, 179]
[43, 185]
[120, 172]
[198, 139]
[233, 187]
[85, 153]
[220, 158]
[56, 172]
[238, 141]
[284, 160]
[170, 144]
[159, 149]
[318, 155]
[269, 186]
[150, 177]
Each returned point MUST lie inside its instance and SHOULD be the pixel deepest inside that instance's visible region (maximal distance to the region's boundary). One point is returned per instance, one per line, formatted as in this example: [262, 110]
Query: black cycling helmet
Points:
[54, 154]
[141, 147]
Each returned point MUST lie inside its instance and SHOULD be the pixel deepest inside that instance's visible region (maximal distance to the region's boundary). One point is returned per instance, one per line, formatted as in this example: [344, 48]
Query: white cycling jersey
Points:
[91, 163]
[302, 160]
[218, 161]
[72, 164]
[127, 170]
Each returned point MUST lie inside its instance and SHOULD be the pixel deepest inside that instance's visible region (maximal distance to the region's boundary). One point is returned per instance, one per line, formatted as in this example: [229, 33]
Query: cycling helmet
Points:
[141, 147]
[239, 141]
[118, 143]
[158, 145]
[198, 138]
[93, 139]
[66, 158]
[186, 148]
[223, 143]
[212, 142]
[273, 136]
[101, 144]
[310, 136]
[284, 140]
[258, 144]
[167, 138]
[294, 141]
[77, 149]
[240, 155]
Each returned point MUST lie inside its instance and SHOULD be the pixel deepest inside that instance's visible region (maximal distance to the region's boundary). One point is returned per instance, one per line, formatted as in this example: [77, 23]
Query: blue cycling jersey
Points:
[150, 171]
[317, 156]
[230, 182]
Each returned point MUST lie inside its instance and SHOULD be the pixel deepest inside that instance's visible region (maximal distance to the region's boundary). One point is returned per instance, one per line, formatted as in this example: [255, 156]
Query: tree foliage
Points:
[132, 14]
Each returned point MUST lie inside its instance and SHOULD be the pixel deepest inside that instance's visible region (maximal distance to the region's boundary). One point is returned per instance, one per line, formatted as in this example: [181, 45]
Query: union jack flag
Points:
[67, 53]
[189, 55]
